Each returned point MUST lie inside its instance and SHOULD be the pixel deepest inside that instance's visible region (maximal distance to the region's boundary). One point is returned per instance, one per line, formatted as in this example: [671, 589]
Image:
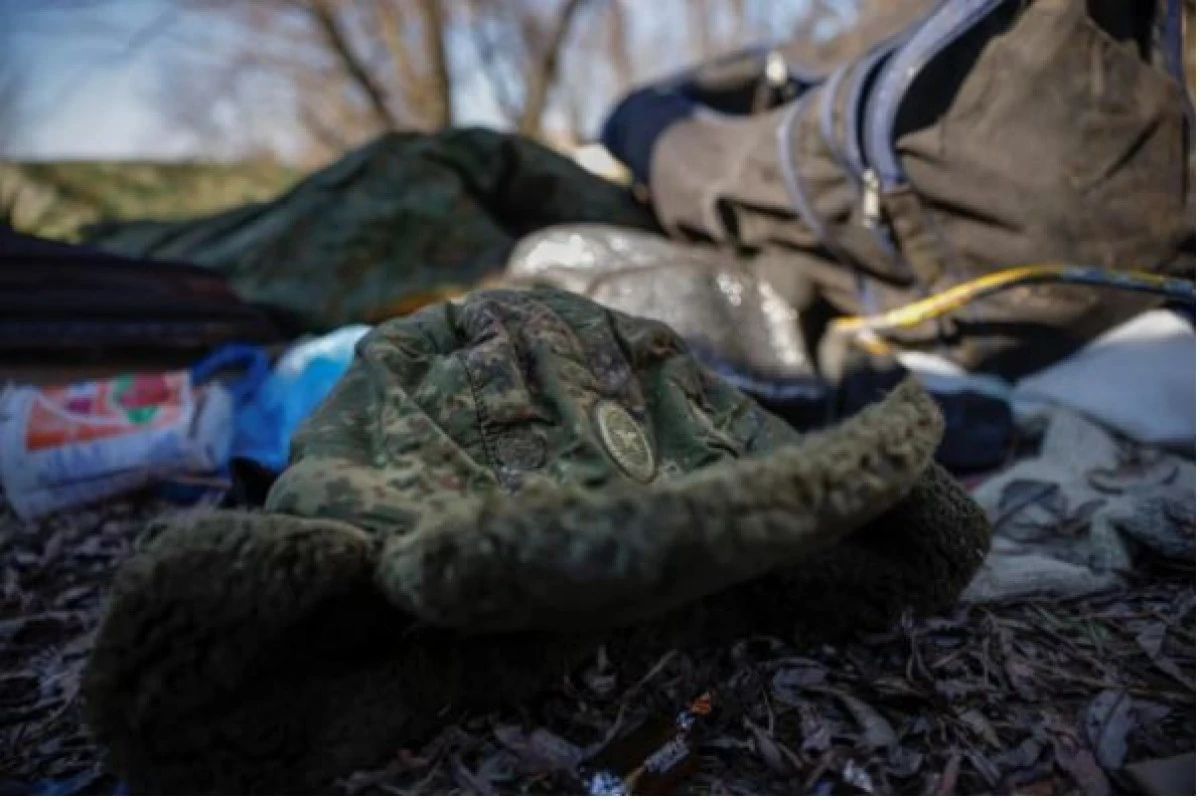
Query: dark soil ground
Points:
[1038, 697]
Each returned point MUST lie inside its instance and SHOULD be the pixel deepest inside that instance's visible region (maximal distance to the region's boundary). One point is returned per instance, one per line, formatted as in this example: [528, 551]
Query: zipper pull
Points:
[871, 204]
[776, 70]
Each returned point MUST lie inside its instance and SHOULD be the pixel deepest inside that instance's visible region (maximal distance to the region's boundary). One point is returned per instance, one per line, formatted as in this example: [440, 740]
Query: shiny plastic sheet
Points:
[733, 321]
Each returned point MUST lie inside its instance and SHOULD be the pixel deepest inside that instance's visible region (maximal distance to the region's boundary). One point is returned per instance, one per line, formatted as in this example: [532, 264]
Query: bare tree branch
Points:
[617, 43]
[12, 89]
[700, 27]
[415, 78]
[325, 133]
[487, 51]
[139, 39]
[389, 21]
[322, 12]
[313, 77]
[433, 17]
[545, 69]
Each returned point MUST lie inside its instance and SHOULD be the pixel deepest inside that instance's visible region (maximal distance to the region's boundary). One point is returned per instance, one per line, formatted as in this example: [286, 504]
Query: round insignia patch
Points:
[624, 440]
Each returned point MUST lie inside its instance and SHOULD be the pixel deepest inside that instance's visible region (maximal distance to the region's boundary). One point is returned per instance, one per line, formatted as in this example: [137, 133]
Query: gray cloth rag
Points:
[1074, 519]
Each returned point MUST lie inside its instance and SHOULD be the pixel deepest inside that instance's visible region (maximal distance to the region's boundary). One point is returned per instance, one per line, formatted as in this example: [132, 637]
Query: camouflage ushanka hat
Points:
[494, 487]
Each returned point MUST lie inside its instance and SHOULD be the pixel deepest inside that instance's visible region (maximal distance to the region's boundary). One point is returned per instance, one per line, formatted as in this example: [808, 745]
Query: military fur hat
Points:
[495, 486]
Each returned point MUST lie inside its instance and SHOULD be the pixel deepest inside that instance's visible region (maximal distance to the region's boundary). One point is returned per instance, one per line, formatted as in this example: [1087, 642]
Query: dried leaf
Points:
[823, 788]
[903, 762]
[1029, 509]
[468, 781]
[1138, 474]
[511, 736]
[986, 769]
[1022, 493]
[1077, 762]
[1022, 756]
[658, 667]
[808, 665]
[814, 730]
[728, 743]
[72, 595]
[363, 780]
[877, 732]
[499, 766]
[1020, 677]
[69, 681]
[896, 686]
[601, 684]
[1107, 722]
[787, 684]
[955, 690]
[54, 548]
[854, 775]
[1079, 521]
[554, 751]
[767, 748]
[981, 727]
[600, 677]
[1151, 641]
[540, 750]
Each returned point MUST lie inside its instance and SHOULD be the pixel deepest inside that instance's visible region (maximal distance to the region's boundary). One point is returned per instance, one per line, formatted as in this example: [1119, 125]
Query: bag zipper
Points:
[791, 176]
[828, 132]
[862, 71]
[940, 29]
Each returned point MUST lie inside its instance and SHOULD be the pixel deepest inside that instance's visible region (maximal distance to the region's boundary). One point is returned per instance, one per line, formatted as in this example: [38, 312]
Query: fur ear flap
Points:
[191, 616]
[573, 557]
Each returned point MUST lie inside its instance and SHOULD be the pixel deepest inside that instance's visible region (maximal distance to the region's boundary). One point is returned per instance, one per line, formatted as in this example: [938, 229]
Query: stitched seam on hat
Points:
[794, 501]
[484, 439]
[579, 352]
[610, 318]
[752, 439]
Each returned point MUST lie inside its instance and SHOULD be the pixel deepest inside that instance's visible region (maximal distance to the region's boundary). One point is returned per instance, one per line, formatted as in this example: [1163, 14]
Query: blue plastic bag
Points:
[256, 368]
[306, 373]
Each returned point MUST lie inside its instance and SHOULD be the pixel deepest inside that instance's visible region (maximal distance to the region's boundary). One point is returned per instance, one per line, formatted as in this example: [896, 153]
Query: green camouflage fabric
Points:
[58, 199]
[403, 220]
[495, 487]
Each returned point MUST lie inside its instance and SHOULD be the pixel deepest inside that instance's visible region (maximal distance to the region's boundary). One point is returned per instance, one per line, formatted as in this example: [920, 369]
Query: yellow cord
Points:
[867, 328]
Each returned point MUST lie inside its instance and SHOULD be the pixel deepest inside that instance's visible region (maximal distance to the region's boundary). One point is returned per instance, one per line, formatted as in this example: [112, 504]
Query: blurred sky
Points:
[95, 68]
[87, 99]
[95, 79]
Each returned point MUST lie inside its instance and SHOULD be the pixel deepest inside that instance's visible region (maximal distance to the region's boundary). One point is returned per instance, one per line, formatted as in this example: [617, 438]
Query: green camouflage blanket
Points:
[400, 221]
